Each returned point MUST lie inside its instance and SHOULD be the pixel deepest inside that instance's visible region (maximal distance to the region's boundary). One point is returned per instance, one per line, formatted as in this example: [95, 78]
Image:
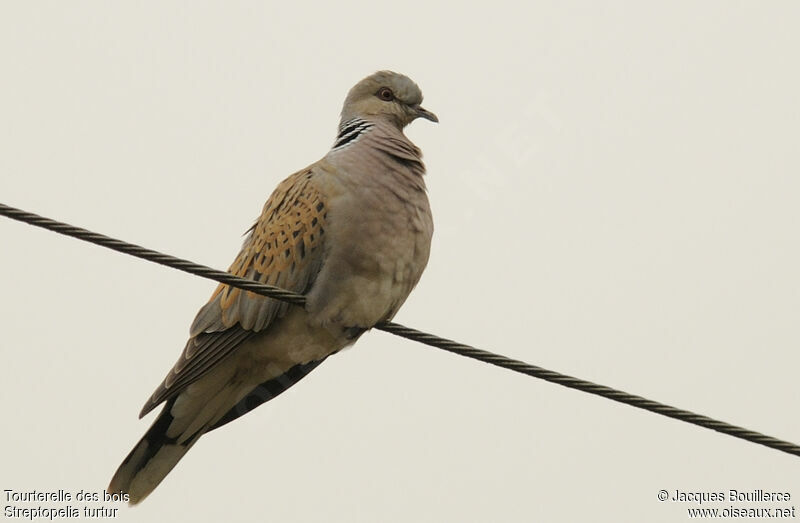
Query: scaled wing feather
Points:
[283, 248]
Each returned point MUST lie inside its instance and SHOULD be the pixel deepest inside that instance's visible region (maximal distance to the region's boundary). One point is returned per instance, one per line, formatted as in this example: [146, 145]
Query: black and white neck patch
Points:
[350, 131]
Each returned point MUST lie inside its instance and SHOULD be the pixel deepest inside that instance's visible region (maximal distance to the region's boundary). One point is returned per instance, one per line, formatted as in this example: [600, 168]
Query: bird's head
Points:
[386, 95]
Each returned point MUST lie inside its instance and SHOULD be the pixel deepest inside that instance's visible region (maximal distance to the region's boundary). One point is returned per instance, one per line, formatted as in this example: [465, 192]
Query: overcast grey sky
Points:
[615, 190]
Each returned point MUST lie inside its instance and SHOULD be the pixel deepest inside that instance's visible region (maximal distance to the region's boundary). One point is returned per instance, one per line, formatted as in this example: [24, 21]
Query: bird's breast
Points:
[376, 247]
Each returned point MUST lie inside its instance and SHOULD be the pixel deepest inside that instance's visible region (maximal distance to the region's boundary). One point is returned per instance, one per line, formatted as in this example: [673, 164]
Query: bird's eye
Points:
[386, 94]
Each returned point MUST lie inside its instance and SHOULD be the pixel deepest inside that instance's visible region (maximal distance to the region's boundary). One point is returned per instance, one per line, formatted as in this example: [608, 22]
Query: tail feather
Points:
[151, 459]
[266, 391]
[202, 407]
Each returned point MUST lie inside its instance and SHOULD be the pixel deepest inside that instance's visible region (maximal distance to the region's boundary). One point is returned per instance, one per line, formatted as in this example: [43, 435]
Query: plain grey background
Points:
[615, 190]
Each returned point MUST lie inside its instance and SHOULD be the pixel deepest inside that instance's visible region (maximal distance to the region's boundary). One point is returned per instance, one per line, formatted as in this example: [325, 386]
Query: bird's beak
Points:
[424, 113]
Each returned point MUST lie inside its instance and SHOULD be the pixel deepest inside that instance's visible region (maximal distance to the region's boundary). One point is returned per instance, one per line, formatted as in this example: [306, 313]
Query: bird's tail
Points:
[188, 416]
[151, 459]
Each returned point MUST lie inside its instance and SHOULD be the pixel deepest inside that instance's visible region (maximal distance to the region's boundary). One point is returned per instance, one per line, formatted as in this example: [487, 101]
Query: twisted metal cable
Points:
[406, 332]
[151, 255]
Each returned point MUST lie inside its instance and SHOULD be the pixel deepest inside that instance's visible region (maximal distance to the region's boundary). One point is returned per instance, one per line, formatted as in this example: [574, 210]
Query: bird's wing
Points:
[283, 248]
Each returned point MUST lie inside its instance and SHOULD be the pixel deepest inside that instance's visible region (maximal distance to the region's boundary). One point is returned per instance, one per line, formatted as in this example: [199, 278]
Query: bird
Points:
[350, 232]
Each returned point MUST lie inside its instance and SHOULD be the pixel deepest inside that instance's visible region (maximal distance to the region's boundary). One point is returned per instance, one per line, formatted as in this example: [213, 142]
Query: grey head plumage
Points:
[388, 96]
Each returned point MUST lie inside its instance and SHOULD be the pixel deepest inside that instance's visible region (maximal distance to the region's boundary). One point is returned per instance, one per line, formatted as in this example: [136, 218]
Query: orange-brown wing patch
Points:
[283, 248]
